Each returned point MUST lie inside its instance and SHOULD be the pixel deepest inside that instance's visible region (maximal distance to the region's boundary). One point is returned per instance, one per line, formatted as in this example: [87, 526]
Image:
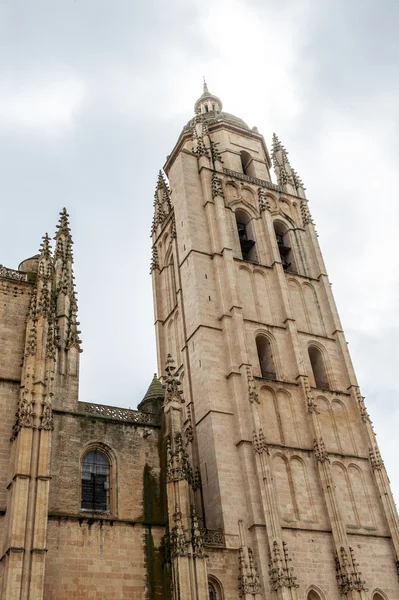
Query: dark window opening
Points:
[266, 361]
[206, 108]
[313, 596]
[284, 248]
[211, 591]
[247, 243]
[95, 481]
[318, 368]
[247, 163]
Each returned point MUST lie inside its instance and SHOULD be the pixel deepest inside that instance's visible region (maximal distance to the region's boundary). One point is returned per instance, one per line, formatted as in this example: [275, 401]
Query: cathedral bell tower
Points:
[276, 446]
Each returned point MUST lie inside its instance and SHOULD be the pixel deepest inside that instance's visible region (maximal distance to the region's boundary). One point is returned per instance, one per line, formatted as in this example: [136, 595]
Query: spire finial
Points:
[206, 91]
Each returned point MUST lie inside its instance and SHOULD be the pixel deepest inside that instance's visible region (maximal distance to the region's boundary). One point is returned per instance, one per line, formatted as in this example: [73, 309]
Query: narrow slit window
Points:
[318, 368]
[266, 361]
[95, 481]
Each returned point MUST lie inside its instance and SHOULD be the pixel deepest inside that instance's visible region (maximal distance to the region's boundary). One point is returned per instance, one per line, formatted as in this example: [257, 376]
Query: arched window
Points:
[284, 247]
[318, 368]
[247, 163]
[313, 595]
[378, 596]
[266, 361]
[214, 589]
[95, 481]
[245, 235]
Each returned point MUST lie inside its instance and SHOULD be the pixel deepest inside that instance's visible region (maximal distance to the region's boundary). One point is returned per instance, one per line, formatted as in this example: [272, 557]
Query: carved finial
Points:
[206, 91]
[45, 250]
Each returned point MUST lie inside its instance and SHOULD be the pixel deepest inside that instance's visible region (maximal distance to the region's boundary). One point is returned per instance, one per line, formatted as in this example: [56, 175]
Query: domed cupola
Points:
[207, 102]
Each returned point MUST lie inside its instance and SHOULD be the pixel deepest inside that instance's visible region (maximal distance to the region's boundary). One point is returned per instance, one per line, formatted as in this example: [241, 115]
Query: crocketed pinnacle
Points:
[45, 249]
[41, 300]
[285, 174]
[65, 287]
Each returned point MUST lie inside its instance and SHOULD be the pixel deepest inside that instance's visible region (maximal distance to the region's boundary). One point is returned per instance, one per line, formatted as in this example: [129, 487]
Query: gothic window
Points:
[214, 589]
[284, 246]
[265, 356]
[318, 368]
[313, 595]
[95, 481]
[378, 596]
[247, 163]
[245, 235]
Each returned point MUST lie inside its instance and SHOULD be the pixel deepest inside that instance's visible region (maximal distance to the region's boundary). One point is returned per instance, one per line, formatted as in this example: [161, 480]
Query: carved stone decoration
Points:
[189, 431]
[259, 442]
[189, 434]
[362, 407]
[197, 539]
[46, 420]
[281, 574]
[281, 163]
[297, 180]
[252, 393]
[173, 229]
[255, 180]
[199, 130]
[154, 259]
[320, 451]
[178, 465]
[348, 575]
[24, 414]
[262, 199]
[217, 188]
[216, 156]
[162, 203]
[31, 343]
[312, 406]
[197, 479]
[172, 383]
[248, 579]
[116, 413]
[177, 538]
[11, 274]
[305, 213]
[375, 458]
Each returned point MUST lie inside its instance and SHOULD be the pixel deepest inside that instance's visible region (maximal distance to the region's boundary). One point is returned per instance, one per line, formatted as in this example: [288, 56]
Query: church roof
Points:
[155, 390]
[212, 118]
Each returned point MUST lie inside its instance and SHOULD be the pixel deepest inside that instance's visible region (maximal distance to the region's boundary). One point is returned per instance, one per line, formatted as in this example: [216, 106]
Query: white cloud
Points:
[46, 105]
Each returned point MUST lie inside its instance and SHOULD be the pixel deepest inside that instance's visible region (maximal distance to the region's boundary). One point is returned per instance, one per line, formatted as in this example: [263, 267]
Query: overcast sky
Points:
[93, 95]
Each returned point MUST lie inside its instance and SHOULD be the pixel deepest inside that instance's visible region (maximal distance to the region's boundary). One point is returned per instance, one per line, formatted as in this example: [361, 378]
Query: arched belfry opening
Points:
[319, 368]
[265, 355]
[284, 246]
[246, 236]
[247, 163]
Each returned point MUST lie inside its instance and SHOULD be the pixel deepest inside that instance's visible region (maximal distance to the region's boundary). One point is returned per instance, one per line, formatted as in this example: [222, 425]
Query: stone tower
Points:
[283, 463]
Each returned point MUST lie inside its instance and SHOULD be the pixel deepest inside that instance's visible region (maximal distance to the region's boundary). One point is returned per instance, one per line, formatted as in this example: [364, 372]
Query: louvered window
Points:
[95, 481]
